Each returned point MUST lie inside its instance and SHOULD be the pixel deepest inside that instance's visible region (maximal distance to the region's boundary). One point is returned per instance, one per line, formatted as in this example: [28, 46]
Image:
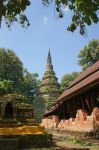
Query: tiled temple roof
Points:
[86, 73]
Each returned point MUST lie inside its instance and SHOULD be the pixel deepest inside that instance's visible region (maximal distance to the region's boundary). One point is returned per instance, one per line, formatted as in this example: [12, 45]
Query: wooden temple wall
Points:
[82, 121]
[86, 101]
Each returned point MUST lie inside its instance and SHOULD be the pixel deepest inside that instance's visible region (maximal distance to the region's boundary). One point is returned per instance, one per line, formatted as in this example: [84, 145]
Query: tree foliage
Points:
[89, 55]
[6, 86]
[84, 12]
[67, 79]
[30, 85]
[11, 68]
[14, 78]
[13, 10]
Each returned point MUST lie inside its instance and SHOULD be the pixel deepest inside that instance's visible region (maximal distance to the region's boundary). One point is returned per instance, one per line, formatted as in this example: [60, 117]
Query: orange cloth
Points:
[22, 130]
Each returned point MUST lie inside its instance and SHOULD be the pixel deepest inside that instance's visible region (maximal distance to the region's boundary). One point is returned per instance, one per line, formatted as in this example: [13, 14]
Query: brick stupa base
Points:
[82, 122]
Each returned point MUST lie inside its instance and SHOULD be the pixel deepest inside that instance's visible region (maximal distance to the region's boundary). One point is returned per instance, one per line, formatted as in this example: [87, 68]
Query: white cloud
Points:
[45, 20]
[66, 9]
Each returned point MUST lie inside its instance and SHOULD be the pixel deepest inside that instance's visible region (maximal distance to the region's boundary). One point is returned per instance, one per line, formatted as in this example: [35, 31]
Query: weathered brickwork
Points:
[82, 122]
[50, 122]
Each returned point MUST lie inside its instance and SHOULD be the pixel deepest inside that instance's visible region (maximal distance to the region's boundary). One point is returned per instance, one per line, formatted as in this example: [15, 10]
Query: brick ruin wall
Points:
[82, 122]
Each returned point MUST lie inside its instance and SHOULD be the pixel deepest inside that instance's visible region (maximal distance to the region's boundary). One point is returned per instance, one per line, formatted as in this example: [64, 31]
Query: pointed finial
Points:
[49, 58]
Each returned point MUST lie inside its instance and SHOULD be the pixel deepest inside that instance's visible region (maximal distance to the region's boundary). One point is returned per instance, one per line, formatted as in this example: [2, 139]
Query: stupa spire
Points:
[49, 87]
[49, 61]
[49, 66]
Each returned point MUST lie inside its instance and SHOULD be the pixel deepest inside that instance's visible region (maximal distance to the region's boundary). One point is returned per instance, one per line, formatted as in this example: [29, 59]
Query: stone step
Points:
[8, 122]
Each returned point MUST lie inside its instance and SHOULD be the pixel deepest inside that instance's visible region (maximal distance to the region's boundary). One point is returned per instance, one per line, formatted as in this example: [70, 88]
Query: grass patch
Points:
[80, 141]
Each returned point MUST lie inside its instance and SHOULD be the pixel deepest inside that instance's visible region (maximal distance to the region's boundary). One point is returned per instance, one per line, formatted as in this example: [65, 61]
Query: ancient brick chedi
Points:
[14, 110]
[49, 88]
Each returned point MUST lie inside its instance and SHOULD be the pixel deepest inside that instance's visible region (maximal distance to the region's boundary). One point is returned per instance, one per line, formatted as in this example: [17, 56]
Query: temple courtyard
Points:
[71, 123]
[64, 142]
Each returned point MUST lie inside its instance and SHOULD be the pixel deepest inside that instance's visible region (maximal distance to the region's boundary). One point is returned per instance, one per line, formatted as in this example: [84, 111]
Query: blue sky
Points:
[46, 31]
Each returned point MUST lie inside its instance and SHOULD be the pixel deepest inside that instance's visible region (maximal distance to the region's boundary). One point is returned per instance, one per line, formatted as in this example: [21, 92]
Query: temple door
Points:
[9, 110]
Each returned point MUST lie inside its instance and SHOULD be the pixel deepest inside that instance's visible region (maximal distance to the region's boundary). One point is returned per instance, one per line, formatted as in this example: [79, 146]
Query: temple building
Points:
[14, 110]
[49, 87]
[77, 108]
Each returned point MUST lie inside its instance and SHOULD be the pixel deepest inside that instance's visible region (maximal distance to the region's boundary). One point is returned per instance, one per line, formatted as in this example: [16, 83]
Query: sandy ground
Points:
[63, 144]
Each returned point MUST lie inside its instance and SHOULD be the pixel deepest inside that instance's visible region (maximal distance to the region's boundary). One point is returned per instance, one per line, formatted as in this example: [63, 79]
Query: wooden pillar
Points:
[74, 107]
[82, 102]
[92, 99]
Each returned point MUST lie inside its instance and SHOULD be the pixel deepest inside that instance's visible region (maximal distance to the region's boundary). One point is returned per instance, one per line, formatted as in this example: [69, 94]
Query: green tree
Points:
[30, 85]
[67, 79]
[13, 11]
[11, 68]
[6, 86]
[84, 12]
[89, 55]
[14, 78]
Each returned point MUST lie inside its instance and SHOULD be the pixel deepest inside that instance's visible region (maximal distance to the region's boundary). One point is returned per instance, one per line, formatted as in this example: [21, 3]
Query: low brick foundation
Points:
[82, 122]
[50, 122]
